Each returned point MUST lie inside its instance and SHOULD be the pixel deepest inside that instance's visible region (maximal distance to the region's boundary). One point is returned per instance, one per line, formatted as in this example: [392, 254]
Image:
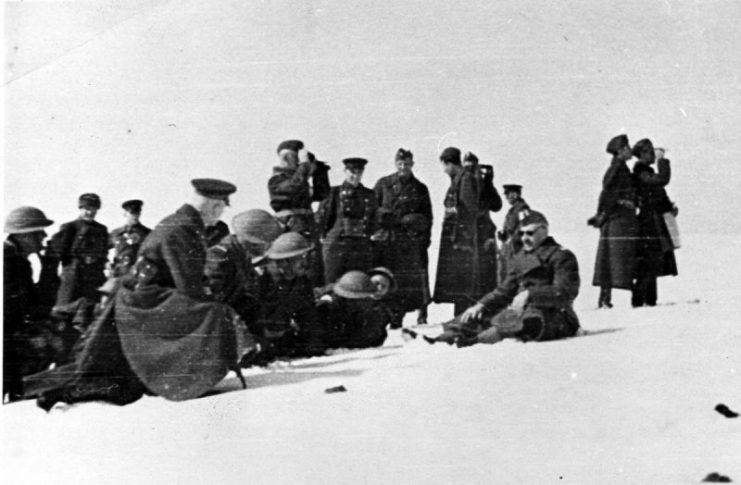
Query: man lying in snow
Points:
[534, 302]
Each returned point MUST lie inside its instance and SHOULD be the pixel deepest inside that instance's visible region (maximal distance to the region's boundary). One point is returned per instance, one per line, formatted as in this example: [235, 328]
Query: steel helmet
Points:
[288, 245]
[256, 226]
[354, 285]
[26, 219]
[380, 270]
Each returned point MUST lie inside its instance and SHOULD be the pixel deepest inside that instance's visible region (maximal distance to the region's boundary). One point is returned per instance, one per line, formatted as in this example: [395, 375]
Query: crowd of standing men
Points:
[182, 304]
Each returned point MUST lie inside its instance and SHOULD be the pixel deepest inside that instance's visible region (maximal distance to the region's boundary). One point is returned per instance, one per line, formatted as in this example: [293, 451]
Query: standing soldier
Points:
[21, 298]
[465, 269]
[347, 218]
[82, 248]
[655, 248]
[126, 240]
[618, 225]
[406, 213]
[511, 241]
[291, 196]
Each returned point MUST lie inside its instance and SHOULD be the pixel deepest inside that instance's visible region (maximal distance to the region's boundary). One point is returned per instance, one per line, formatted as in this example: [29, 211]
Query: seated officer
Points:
[534, 302]
[355, 318]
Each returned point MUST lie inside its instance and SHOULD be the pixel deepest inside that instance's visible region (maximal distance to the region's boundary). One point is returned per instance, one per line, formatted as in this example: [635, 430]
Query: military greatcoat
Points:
[655, 248]
[126, 242]
[82, 248]
[347, 219]
[466, 268]
[616, 253]
[550, 273]
[405, 205]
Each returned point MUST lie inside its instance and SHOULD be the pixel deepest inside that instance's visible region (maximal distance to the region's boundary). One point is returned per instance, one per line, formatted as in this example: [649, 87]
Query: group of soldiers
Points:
[182, 304]
[633, 215]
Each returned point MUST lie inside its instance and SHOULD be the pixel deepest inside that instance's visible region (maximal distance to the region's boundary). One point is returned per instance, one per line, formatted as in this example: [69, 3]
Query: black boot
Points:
[422, 316]
[605, 297]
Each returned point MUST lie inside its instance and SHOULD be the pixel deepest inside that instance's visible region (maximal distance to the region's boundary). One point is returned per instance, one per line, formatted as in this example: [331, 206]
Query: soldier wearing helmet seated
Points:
[286, 319]
[230, 270]
[355, 313]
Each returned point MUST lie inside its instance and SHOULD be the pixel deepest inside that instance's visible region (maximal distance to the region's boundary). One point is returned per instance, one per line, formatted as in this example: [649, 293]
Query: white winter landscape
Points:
[132, 99]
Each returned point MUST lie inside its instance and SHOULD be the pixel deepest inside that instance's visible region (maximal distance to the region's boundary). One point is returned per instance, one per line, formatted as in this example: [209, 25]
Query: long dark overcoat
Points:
[347, 219]
[466, 270]
[407, 212]
[655, 248]
[616, 253]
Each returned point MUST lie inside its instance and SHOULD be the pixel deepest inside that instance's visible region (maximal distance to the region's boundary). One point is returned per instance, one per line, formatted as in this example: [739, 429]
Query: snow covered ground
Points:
[632, 401]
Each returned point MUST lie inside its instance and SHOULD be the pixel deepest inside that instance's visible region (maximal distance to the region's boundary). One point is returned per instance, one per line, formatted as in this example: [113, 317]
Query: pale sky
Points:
[132, 99]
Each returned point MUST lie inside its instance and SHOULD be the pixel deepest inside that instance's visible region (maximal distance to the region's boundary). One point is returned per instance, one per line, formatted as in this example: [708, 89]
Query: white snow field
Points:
[632, 401]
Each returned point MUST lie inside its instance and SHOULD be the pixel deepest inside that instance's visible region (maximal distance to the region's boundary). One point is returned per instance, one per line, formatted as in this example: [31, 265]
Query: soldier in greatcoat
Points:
[655, 248]
[297, 181]
[618, 225]
[162, 334]
[22, 301]
[534, 302]
[405, 211]
[126, 240]
[509, 236]
[347, 219]
[466, 267]
[82, 248]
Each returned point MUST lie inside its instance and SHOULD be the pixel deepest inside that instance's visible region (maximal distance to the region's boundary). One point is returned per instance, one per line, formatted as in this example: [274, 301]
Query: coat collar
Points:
[192, 215]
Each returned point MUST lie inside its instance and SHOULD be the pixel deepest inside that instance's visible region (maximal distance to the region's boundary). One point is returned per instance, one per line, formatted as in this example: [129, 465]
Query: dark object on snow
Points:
[332, 390]
[716, 478]
[725, 411]
[409, 332]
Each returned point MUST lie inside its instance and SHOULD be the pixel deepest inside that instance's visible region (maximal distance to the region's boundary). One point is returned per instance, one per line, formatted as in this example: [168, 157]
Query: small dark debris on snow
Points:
[409, 332]
[725, 411]
[717, 478]
[332, 390]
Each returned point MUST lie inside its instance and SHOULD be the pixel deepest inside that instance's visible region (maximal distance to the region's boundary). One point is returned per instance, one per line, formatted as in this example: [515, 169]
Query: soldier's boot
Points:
[605, 297]
[422, 315]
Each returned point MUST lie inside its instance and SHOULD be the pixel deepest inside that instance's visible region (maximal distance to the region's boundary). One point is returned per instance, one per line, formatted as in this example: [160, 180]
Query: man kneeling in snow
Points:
[534, 302]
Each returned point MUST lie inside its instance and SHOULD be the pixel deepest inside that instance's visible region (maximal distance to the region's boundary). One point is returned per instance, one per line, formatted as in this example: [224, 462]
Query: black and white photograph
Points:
[333, 242]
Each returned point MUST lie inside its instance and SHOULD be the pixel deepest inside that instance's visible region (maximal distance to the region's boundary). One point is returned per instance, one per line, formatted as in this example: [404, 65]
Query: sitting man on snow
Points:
[534, 302]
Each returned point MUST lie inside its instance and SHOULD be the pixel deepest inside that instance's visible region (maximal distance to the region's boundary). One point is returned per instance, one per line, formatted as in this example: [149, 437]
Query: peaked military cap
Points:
[133, 205]
[355, 162]
[451, 155]
[89, 200]
[403, 154]
[532, 217]
[642, 146]
[617, 144]
[512, 188]
[294, 145]
[214, 189]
